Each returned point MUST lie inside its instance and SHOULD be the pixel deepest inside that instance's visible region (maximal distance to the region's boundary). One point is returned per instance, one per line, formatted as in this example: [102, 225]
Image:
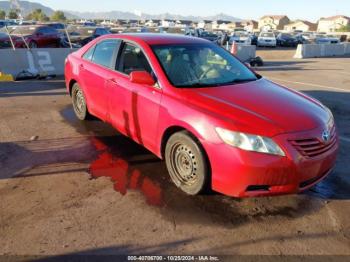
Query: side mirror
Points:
[142, 77]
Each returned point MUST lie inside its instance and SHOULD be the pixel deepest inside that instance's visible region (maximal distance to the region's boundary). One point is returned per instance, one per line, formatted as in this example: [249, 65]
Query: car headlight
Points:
[250, 142]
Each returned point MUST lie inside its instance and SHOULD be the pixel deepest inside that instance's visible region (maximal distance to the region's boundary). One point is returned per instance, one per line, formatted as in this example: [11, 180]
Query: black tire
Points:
[79, 103]
[187, 163]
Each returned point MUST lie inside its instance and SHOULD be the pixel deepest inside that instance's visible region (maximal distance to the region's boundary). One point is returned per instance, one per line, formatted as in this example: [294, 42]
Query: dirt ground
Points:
[69, 187]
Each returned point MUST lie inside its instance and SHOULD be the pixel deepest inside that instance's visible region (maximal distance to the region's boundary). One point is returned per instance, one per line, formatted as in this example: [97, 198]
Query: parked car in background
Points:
[216, 123]
[204, 34]
[303, 38]
[87, 23]
[35, 36]
[286, 40]
[241, 37]
[267, 39]
[326, 39]
[254, 37]
[83, 35]
[4, 23]
[209, 36]
[60, 27]
[5, 41]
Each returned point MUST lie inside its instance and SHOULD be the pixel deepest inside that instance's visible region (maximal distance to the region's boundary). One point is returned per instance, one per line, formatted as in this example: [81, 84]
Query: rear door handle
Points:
[82, 67]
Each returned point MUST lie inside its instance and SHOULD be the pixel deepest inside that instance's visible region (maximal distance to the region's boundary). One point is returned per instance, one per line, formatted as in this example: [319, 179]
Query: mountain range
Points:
[27, 7]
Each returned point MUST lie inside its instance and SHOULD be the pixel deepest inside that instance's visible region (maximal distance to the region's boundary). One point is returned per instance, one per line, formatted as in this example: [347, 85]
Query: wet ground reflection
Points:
[123, 174]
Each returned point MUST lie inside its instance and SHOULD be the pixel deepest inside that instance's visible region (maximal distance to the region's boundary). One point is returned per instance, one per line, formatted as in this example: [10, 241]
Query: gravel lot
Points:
[68, 187]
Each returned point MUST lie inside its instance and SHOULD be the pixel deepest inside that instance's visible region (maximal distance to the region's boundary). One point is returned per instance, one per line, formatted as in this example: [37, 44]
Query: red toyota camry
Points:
[218, 124]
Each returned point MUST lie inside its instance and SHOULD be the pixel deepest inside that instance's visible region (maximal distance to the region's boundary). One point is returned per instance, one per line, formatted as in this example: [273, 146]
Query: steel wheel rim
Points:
[184, 164]
[79, 102]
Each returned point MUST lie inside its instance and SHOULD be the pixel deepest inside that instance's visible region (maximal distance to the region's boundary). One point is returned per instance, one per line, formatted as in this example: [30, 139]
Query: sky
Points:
[296, 9]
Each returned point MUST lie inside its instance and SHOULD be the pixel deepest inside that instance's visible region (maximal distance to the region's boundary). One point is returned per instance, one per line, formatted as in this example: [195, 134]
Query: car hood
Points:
[260, 107]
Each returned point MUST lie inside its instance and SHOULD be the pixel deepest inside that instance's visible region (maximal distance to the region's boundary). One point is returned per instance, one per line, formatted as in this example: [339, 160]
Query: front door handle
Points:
[112, 80]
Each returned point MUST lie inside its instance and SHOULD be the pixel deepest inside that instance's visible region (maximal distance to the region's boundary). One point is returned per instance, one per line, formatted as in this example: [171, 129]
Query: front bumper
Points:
[264, 43]
[241, 173]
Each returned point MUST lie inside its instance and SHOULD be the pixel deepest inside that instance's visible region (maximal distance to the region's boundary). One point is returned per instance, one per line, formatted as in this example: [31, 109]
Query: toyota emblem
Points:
[326, 136]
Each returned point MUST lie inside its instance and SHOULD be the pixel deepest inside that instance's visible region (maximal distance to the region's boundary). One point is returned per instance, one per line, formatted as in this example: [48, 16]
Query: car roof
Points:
[159, 39]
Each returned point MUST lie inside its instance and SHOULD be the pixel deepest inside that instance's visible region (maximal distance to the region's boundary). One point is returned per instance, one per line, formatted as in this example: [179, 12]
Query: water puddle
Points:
[123, 175]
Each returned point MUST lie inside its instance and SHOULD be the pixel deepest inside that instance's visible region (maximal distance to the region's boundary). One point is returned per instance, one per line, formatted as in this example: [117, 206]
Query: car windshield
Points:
[23, 30]
[57, 26]
[286, 36]
[267, 35]
[207, 34]
[201, 65]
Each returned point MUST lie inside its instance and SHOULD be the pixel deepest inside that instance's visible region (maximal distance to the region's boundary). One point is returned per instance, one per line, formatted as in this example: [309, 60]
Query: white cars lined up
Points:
[267, 39]
[241, 37]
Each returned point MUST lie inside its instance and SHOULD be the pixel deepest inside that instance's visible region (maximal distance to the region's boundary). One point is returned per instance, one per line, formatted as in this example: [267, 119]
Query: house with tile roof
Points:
[333, 23]
[301, 25]
[273, 22]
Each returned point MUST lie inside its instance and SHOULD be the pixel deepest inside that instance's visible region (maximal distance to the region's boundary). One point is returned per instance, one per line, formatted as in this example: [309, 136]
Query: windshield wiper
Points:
[238, 81]
[199, 84]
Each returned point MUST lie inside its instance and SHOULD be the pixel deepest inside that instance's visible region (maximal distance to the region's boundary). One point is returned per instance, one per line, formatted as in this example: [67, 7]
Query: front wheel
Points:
[187, 164]
[79, 103]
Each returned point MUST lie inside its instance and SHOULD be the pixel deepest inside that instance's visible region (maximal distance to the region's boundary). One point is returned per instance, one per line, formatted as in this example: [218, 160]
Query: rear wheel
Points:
[32, 45]
[79, 103]
[187, 164]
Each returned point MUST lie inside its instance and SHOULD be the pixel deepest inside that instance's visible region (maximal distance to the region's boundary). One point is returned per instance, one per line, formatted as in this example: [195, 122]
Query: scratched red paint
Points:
[123, 176]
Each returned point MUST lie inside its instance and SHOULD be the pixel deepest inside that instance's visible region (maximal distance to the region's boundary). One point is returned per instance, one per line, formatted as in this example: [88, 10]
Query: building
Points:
[250, 25]
[183, 23]
[273, 22]
[167, 23]
[331, 24]
[301, 25]
[205, 24]
[225, 25]
[153, 23]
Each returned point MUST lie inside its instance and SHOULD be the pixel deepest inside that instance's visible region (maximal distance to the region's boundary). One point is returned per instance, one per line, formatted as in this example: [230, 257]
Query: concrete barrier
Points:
[347, 48]
[322, 50]
[244, 52]
[43, 61]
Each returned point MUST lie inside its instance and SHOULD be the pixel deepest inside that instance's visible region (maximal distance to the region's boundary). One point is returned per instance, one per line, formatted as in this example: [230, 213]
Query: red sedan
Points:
[218, 124]
[34, 36]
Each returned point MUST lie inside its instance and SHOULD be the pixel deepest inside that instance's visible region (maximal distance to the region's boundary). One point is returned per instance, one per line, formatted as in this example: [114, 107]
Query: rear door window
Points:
[105, 52]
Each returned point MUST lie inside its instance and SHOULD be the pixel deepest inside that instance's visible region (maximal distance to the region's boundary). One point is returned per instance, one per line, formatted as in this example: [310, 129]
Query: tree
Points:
[58, 16]
[2, 14]
[13, 14]
[38, 15]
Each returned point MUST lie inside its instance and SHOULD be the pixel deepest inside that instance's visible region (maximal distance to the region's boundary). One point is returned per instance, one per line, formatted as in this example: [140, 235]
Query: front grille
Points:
[313, 147]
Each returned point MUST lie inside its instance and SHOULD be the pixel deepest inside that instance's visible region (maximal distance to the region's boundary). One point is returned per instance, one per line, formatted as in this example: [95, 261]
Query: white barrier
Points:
[44, 61]
[244, 52]
[322, 50]
[347, 48]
